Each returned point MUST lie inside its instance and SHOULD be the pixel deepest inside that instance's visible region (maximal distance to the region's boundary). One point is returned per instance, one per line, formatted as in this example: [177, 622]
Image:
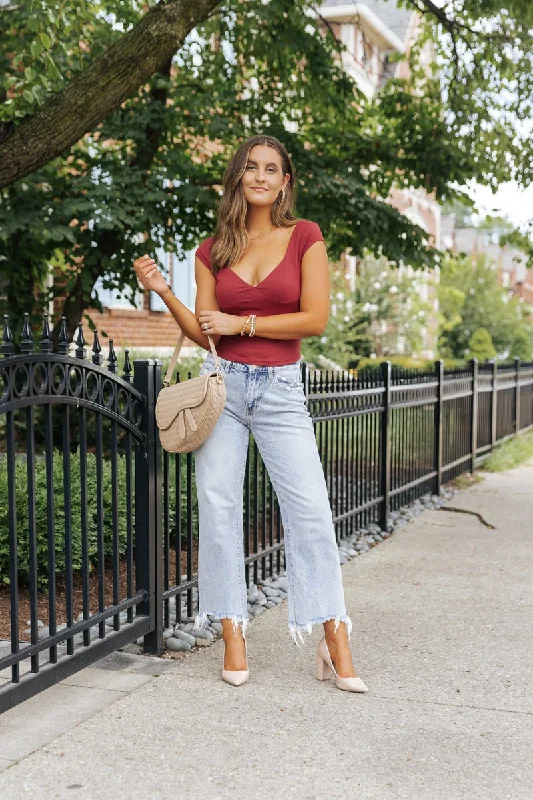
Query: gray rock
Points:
[185, 637]
[269, 592]
[217, 627]
[257, 597]
[352, 552]
[202, 633]
[167, 633]
[178, 645]
[282, 583]
[269, 604]
[203, 642]
[276, 600]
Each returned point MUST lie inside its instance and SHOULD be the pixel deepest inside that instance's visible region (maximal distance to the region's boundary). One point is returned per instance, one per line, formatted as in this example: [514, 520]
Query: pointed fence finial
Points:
[127, 366]
[97, 357]
[63, 342]
[112, 358]
[26, 342]
[45, 342]
[7, 348]
[81, 350]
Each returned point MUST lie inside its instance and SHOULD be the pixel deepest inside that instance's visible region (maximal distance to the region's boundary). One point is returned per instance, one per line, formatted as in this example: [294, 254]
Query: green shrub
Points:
[59, 515]
[480, 345]
[21, 483]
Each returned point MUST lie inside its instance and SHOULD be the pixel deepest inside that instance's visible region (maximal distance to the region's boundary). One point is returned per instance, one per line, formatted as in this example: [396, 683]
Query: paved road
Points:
[442, 615]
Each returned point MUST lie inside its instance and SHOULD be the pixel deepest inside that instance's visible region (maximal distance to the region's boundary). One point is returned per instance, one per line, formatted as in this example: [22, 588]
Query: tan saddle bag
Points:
[187, 412]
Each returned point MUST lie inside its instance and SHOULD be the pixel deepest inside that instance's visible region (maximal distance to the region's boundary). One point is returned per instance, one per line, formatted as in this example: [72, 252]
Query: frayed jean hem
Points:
[295, 630]
[201, 619]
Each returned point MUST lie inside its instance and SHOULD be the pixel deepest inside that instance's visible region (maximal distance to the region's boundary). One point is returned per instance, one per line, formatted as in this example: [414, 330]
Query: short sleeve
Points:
[311, 233]
[203, 253]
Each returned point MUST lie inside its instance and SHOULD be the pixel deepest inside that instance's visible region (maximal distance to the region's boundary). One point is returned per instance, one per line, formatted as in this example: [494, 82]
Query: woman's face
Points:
[263, 177]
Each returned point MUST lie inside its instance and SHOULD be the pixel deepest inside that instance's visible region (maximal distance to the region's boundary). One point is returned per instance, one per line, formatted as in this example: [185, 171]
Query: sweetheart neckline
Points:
[251, 285]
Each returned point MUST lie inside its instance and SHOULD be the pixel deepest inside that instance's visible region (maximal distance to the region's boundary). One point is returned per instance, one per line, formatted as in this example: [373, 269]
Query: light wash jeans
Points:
[269, 402]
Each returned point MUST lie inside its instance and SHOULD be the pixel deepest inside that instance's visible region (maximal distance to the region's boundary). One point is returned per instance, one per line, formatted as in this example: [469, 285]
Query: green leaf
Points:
[46, 40]
[36, 48]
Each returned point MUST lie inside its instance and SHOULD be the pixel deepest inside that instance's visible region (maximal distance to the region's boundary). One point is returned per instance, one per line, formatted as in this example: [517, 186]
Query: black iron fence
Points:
[98, 526]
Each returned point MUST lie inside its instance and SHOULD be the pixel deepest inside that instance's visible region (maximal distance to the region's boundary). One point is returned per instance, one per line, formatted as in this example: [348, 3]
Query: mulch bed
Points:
[61, 608]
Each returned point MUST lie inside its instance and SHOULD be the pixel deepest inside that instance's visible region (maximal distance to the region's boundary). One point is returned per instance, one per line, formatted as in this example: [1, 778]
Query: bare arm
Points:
[151, 278]
[313, 316]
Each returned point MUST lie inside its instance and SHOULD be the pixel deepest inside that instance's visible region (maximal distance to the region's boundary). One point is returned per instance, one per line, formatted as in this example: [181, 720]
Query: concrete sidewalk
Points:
[442, 615]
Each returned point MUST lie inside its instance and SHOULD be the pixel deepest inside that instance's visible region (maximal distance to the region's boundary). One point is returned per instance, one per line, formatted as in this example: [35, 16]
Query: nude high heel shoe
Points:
[235, 676]
[324, 669]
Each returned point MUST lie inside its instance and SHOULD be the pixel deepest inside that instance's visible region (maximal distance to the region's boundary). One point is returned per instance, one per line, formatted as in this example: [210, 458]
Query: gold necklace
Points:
[261, 235]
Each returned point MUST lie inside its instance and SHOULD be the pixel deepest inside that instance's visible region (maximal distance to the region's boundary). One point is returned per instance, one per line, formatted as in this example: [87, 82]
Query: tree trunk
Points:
[102, 87]
[110, 241]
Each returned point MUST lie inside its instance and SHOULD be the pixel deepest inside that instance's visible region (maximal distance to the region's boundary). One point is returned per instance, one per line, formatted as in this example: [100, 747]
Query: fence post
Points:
[146, 540]
[158, 511]
[439, 373]
[494, 405]
[385, 446]
[517, 395]
[473, 444]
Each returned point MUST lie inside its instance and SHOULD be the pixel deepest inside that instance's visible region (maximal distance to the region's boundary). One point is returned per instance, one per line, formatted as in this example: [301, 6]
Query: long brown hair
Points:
[231, 238]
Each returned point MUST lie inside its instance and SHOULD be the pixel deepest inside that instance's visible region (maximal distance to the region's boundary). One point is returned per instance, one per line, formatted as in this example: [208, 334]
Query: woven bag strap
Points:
[175, 354]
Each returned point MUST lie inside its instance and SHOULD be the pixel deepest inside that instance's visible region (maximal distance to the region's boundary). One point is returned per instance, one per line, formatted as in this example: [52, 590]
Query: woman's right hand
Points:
[150, 276]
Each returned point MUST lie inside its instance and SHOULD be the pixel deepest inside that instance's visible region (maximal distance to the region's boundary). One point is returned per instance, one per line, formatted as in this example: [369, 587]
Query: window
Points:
[112, 298]
[348, 37]
[359, 45]
[180, 274]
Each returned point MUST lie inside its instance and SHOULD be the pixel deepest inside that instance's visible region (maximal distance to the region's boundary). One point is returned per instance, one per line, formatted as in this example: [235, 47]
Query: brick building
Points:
[372, 32]
[510, 262]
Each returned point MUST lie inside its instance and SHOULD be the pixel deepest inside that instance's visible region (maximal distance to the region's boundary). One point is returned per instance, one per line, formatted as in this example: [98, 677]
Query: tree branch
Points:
[104, 85]
[451, 25]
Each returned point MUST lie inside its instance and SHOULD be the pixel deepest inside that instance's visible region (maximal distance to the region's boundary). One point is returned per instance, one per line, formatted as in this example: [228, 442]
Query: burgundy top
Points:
[278, 293]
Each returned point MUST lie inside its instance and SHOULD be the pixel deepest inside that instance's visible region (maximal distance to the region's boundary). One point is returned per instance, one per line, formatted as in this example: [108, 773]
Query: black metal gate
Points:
[78, 522]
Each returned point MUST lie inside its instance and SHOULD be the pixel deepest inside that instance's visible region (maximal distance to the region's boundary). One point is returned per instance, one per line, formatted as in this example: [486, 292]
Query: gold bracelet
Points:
[243, 329]
[252, 330]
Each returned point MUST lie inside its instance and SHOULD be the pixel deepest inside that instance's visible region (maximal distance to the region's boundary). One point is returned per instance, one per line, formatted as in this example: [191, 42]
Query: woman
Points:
[263, 284]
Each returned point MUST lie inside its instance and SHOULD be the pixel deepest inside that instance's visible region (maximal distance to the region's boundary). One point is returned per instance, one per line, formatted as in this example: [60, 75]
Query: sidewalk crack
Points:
[473, 513]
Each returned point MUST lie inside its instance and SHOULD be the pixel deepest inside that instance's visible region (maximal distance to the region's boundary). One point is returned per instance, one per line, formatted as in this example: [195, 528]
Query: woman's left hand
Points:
[219, 323]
